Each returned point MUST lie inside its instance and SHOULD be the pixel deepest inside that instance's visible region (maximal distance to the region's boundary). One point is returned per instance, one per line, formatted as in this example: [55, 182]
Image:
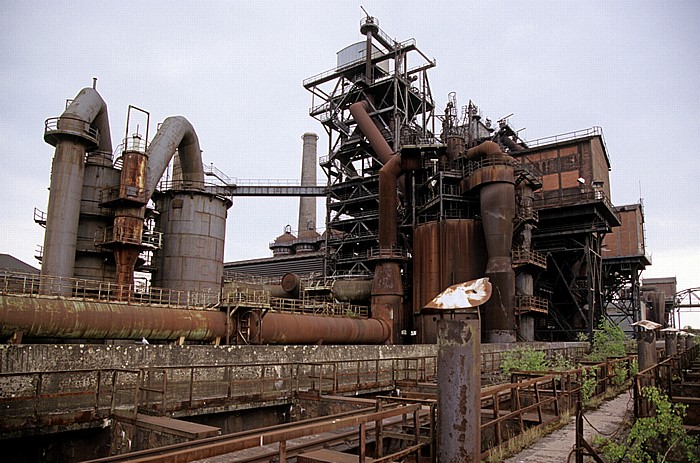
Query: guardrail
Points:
[574, 198]
[33, 400]
[667, 375]
[175, 389]
[71, 125]
[595, 130]
[34, 285]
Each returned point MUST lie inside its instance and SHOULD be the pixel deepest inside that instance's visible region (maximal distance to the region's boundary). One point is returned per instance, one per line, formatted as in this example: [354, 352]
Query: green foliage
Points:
[634, 367]
[523, 359]
[658, 438]
[529, 359]
[581, 337]
[588, 385]
[608, 341]
[619, 374]
[560, 363]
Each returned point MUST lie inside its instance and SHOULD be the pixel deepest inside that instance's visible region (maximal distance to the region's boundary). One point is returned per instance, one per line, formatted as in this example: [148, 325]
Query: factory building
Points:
[420, 196]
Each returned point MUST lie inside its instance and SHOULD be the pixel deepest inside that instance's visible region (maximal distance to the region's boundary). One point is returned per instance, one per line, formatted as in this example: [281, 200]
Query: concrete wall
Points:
[53, 357]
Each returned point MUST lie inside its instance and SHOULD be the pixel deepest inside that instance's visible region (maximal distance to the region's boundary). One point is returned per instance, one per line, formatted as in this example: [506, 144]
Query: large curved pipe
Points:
[282, 328]
[175, 133]
[63, 318]
[89, 106]
[387, 288]
[72, 137]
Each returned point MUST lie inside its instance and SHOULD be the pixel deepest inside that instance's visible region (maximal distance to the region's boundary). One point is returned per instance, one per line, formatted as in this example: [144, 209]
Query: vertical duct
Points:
[83, 127]
[387, 288]
[496, 180]
[307, 205]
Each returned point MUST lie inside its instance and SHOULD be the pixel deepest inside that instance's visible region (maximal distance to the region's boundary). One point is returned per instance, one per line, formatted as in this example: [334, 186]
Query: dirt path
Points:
[555, 447]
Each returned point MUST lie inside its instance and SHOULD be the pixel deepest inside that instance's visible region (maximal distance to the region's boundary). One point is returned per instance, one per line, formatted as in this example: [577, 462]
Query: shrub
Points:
[657, 438]
[608, 341]
[588, 385]
[523, 359]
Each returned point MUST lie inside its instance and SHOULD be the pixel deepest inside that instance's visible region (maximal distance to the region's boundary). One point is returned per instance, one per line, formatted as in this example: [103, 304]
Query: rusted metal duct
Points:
[387, 288]
[455, 147]
[496, 181]
[511, 144]
[73, 134]
[175, 133]
[74, 319]
[360, 112]
[282, 328]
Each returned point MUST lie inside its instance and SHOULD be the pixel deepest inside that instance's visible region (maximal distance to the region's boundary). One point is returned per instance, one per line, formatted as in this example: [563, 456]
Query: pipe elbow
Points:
[175, 133]
[355, 108]
[487, 148]
[393, 167]
[89, 107]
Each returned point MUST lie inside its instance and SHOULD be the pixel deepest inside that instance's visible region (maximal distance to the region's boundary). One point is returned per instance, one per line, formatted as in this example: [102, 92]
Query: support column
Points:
[459, 391]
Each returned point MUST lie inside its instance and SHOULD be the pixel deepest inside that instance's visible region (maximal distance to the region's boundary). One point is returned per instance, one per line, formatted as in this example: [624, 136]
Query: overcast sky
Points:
[235, 70]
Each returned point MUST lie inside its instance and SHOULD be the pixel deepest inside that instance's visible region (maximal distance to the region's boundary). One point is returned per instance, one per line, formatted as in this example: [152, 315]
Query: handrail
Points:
[53, 124]
[395, 252]
[582, 133]
[119, 234]
[35, 285]
[351, 64]
[488, 161]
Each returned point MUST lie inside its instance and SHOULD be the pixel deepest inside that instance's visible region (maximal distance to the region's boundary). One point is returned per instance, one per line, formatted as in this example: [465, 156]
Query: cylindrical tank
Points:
[73, 134]
[353, 291]
[194, 226]
[93, 262]
[444, 253]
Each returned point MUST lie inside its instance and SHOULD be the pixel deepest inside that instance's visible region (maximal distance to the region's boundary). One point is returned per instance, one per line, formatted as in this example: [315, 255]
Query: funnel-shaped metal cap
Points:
[460, 296]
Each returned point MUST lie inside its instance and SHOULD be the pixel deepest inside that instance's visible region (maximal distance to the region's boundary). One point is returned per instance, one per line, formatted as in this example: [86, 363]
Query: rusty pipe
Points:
[388, 202]
[175, 133]
[487, 148]
[360, 112]
[282, 328]
[387, 288]
[65, 318]
[511, 144]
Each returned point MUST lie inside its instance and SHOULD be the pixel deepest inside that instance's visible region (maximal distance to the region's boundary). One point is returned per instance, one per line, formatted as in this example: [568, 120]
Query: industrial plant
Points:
[137, 342]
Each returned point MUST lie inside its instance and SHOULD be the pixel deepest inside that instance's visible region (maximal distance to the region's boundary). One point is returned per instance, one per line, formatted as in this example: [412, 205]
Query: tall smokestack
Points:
[307, 205]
